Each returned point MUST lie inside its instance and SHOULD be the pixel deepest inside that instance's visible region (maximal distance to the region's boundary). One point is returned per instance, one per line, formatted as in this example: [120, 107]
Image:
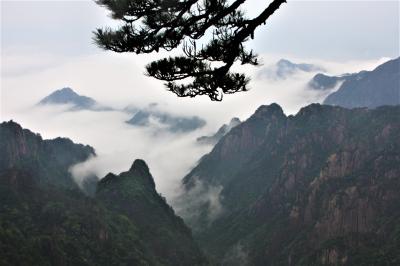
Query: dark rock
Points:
[318, 187]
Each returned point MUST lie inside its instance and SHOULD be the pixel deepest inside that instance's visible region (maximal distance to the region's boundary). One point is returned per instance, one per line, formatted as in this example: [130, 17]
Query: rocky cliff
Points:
[47, 160]
[317, 188]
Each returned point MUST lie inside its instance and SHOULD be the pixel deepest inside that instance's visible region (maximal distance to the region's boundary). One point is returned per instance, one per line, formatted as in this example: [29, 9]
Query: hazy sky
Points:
[316, 29]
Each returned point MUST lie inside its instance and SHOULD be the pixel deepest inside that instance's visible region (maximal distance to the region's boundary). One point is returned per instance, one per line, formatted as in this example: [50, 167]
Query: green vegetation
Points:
[45, 221]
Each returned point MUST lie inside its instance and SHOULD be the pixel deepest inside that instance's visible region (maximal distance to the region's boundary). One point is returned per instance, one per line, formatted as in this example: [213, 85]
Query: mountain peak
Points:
[64, 92]
[11, 124]
[171, 122]
[234, 121]
[140, 166]
[312, 109]
[137, 176]
[140, 169]
[67, 95]
[283, 61]
[67, 90]
[272, 109]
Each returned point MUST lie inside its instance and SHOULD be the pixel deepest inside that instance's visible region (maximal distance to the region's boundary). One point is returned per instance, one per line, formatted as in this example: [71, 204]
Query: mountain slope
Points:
[323, 82]
[165, 235]
[43, 221]
[166, 121]
[317, 188]
[369, 88]
[222, 131]
[47, 160]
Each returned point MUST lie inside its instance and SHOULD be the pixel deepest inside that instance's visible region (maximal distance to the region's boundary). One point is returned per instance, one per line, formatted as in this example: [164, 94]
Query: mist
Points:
[118, 81]
[201, 200]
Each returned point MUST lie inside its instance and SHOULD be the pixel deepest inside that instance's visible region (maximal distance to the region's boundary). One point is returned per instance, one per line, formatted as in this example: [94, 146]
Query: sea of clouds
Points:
[118, 80]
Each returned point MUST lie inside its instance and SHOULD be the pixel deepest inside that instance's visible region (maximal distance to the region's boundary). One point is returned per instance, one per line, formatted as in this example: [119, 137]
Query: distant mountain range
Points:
[285, 68]
[173, 123]
[222, 131]
[70, 97]
[317, 188]
[371, 89]
[324, 82]
[143, 117]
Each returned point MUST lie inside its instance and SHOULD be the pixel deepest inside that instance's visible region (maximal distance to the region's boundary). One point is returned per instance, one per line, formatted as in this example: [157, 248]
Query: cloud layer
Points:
[118, 81]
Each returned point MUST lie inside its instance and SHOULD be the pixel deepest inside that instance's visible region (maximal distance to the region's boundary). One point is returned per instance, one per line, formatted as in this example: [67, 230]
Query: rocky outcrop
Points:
[317, 188]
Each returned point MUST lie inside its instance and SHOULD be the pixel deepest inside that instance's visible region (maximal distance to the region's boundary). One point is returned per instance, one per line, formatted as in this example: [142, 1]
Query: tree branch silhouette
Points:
[151, 25]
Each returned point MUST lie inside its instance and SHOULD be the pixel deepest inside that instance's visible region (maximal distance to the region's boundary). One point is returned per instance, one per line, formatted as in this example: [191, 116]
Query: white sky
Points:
[321, 29]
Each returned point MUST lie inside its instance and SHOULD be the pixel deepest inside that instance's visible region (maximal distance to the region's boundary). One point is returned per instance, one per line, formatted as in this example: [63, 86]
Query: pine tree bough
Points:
[219, 25]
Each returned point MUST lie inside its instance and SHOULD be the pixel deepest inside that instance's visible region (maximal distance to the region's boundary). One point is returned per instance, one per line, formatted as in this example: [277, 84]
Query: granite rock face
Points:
[317, 188]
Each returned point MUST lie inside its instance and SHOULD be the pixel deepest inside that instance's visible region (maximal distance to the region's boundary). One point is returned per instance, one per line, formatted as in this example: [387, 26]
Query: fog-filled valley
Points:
[171, 154]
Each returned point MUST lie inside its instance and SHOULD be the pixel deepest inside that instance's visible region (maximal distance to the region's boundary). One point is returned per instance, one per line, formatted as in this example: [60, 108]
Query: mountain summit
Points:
[151, 116]
[285, 68]
[165, 237]
[68, 96]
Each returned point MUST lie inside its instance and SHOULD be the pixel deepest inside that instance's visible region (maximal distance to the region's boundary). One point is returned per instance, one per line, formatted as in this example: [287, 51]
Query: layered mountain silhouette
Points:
[47, 220]
[317, 188]
[163, 120]
[66, 96]
[324, 82]
[285, 68]
[222, 131]
[371, 89]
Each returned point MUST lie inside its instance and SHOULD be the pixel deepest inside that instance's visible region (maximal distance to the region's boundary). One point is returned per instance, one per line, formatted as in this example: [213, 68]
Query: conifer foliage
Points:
[211, 33]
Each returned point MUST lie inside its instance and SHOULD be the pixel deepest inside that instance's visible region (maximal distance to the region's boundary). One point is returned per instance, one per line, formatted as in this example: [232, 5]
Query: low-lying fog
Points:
[118, 81]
